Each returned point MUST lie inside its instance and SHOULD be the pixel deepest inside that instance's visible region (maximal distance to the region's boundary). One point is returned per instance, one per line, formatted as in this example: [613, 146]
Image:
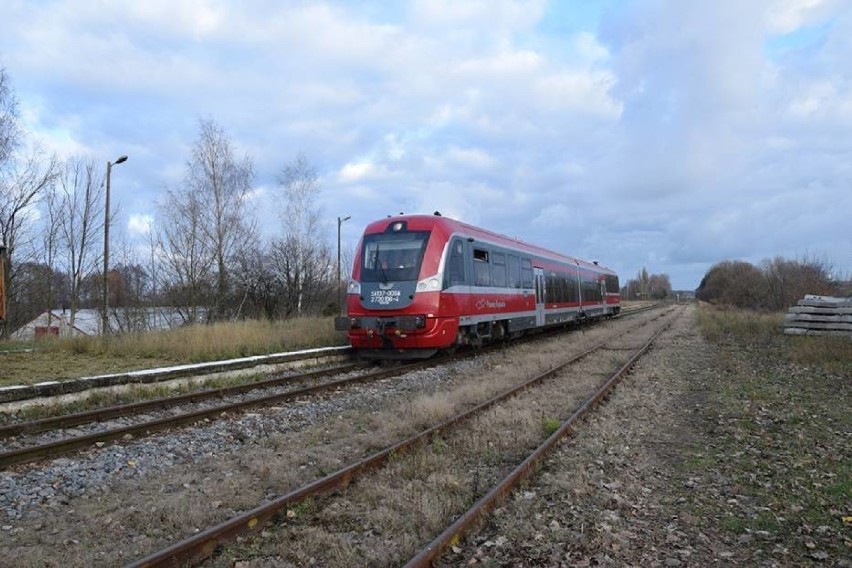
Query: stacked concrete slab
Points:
[820, 315]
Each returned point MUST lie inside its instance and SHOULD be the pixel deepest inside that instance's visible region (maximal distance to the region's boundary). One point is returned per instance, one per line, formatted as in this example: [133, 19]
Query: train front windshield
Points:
[392, 257]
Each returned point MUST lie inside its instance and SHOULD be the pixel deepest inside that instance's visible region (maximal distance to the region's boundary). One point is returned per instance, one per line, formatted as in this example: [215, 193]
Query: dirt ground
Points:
[724, 453]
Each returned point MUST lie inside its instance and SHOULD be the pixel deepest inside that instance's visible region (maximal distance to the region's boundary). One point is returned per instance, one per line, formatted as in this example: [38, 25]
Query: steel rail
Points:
[455, 531]
[130, 409]
[204, 544]
[108, 413]
[52, 388]
[32, 453]
[59, 447]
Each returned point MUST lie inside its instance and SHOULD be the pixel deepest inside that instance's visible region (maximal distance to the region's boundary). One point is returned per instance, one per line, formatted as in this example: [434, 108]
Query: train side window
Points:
[455, 264]
[612, 284]
[481, 270]
[514, 266]
[572, 291]
[498, 269]
[526, 273]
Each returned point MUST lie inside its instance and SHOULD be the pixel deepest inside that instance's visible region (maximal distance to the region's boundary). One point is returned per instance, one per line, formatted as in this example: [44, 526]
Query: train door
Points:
[539, 296]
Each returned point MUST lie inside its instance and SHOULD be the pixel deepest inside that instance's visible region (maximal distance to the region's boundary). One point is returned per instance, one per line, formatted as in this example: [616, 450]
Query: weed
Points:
[733, 524]
[439, 446]
[550, 425]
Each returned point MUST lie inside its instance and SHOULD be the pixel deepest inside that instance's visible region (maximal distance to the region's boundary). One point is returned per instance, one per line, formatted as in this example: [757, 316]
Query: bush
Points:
[777, 285]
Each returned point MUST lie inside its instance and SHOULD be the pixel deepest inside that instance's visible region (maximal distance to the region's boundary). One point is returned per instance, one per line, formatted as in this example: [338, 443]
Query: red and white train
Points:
[421, 283]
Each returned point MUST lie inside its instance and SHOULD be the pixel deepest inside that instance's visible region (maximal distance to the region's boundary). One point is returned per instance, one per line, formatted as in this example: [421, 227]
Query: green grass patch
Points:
[732, 524]
[550, 425]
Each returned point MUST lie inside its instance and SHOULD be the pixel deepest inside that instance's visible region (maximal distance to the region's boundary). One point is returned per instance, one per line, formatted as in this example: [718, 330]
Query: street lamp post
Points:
[340, 221]
[105, 320]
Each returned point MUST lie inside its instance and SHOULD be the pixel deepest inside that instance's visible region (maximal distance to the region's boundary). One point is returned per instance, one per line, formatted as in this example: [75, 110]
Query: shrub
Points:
[777, 285]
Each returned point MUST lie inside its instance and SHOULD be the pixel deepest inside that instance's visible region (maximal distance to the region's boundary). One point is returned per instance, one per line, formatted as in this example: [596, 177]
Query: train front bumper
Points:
[399, 332]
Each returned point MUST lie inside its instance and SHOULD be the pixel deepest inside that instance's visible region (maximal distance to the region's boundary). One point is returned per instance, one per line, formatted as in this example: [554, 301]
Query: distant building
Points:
[89, 322]
[683, 295]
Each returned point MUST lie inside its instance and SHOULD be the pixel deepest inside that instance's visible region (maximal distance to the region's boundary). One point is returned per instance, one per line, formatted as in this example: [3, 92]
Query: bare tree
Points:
[787, 281]
[82, 192]
[22, 180]
[50, 245]
[187, 259]
[733, 283]
[10, 129]
[222, 182]
[21, 186]
[659, 286]
[302, 257]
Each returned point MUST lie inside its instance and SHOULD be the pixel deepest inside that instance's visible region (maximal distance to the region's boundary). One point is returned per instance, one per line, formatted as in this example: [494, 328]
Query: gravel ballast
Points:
[147, 493]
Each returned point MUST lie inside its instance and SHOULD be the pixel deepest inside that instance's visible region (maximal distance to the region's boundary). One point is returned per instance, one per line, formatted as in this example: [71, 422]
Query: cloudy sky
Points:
[664, 134]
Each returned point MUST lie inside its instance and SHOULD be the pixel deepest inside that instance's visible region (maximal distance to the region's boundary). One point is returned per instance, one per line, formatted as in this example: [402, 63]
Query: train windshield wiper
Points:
[382, 266]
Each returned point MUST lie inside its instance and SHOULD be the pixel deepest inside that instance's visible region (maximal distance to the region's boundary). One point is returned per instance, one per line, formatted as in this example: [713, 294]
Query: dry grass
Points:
[833, 353]
[210, 342]
[760, 330]
[718, 323]
[389, 514]
[85, 355]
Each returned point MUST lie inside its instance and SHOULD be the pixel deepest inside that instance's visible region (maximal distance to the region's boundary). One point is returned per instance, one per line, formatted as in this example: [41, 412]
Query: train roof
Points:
[429, 222]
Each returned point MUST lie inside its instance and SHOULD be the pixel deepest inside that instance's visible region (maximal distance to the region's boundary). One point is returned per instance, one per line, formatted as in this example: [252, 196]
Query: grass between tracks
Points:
[57, 359]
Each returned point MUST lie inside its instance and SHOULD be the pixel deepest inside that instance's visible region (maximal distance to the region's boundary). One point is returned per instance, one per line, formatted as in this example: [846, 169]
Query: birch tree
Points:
[222, 182]
[302, 257]
[23, 179]
[81, 221]
[187, 259]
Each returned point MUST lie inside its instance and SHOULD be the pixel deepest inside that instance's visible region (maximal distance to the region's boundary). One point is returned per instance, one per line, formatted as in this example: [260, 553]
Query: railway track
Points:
[205, 543]
[56, 447]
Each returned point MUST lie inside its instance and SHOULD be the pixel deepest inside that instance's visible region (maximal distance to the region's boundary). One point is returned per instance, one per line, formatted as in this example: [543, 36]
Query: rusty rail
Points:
[484, 505]
[101, 414]
[59, 447]
[202, 545]
[32, 453]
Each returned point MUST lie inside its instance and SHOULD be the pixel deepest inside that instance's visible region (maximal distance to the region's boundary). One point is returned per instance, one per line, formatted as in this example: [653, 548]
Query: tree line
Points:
[775, 285]
[647, 286]
[204, 257]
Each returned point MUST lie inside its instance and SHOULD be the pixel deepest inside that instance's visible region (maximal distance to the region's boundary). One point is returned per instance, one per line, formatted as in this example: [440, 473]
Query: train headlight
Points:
[430, 284]
[354, 287]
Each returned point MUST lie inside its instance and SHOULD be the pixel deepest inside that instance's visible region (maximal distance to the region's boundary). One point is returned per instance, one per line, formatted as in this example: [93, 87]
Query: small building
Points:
[89, 322]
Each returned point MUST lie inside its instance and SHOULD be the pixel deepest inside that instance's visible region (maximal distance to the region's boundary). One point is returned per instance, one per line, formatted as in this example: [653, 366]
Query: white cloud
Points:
[140, 223]
[471, 157]
[785, 16]
[355, 171]
[660, 123]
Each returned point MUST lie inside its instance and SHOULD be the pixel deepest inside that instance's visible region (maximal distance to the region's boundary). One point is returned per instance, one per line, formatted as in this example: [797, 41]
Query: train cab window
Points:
[514, 266]
[455, 264]
[481, 269]
[526, 273]
[498, 269]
